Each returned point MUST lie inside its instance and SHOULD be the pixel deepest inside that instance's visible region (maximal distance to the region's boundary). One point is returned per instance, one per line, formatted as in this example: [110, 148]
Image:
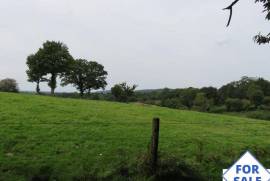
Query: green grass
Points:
[65, 139]
[257, 114]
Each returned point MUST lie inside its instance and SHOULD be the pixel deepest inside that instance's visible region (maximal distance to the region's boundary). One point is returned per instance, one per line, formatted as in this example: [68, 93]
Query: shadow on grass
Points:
[169, 168]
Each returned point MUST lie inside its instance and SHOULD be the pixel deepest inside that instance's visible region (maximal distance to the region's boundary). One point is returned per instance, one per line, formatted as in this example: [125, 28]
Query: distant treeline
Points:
[247, 94]
[53, 61]
[244, 95]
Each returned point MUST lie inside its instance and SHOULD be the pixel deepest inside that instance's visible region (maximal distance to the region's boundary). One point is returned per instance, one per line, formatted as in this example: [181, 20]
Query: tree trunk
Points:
[52, 83]
[37, 88]
[52, 91]
[89, 91]
[81, 92]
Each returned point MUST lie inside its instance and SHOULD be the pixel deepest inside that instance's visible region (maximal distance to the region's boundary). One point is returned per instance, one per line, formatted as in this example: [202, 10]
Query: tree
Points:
[266, 100]
[236, 89]
[211, 93]
[201, 102]
[96, 77]
[172, 103]
[264, 85]
[57, 60]
[255, 95]
[246, 104]
[118, 92]
[122, 92]
[35, 70]
[9, 85]
[85, 76]
[260, 39]
[187, 96]
[234, 104]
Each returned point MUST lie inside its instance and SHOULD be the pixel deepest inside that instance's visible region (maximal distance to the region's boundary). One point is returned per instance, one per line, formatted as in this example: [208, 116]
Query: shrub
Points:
[255, 95]
[201, 103]
[264, 107]
[264, 115]
[218, 109]
[9, 85]
[123, 93]
[246, 104]
[266, 100]
[172, 103]
[234, 105]
[169, 167]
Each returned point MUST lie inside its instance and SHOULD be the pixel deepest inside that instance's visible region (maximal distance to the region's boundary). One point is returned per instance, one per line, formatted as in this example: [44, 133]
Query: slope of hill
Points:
[66, 139]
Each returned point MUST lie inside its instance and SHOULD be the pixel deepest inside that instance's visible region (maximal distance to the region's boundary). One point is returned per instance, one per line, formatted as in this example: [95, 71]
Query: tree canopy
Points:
[56, 61]
[123, 92]
[9, 85]
[53, 60]
[36, 70]
[85, 76]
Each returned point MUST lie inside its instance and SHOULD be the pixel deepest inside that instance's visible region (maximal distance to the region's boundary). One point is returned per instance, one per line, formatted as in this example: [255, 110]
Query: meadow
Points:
[48, 138]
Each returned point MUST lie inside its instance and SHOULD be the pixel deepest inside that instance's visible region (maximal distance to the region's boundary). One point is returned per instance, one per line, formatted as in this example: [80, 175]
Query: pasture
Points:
[50, 138]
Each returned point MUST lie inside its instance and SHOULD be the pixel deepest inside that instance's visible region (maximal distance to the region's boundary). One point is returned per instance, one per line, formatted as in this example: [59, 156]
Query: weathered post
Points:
[154, 145]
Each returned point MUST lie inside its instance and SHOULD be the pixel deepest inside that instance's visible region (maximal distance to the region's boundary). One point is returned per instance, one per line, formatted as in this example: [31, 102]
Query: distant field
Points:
[69, 139]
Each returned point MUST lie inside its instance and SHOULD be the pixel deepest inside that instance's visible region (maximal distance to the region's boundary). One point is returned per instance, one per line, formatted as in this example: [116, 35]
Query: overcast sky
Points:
[151, 43]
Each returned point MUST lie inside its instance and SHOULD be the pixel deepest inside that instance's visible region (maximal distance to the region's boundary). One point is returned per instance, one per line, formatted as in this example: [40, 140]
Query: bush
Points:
[151, 102]
[218, 109]
[234, 105]
[264, 115]
[201, 103]
[172, 103]
[246, 105]
[266, 100]
[9, 85]
[264, 107]
[123, 93]
[255, 95]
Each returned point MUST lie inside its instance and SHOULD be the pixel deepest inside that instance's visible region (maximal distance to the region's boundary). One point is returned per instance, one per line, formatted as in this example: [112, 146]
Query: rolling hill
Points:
[47, 138]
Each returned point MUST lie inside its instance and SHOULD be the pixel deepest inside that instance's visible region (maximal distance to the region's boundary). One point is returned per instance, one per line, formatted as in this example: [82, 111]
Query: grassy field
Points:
[46, 138]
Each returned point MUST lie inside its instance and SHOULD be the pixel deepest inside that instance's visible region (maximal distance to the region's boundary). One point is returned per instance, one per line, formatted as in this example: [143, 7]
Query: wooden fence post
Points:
[154, 144]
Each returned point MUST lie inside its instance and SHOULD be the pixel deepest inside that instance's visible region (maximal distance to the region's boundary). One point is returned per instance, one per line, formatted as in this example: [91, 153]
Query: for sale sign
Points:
[247, 168]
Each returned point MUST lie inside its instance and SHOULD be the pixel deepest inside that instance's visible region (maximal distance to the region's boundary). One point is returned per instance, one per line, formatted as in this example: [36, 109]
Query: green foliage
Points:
[211, 93]
[246, 104]
[266, 100]
[85, 76]
[235, 89]
[55, 59]
[187, 96]
[123, 92]
[264, 85]
[237, 105]
[218, 109]
[234, 105]
[248, 93]
[255, 95]
[9, 85]
[36, 70]
[263, 115]
[201, 102]
[264, 107]
[172, 103]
